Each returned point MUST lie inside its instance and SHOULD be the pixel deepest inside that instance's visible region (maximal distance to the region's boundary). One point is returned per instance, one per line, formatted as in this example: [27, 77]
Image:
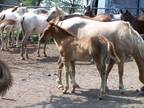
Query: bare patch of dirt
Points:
[35, 84]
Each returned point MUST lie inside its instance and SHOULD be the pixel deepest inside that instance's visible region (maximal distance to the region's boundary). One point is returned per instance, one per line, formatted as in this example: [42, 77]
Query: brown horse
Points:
[5, 78]
[136, 22]
[100, 17]
[72, 49]
[125, 39]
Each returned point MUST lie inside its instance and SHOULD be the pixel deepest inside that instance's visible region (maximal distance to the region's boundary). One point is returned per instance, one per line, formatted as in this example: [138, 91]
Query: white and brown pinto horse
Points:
[73, 49]
[125, 39]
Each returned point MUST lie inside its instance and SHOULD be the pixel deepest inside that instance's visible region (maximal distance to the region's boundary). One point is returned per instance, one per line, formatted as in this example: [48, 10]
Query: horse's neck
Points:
[61, 35]
[133, 20]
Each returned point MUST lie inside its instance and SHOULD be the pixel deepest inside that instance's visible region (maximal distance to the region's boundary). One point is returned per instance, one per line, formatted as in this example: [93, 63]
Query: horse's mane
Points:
[67, 32]
[61, 18]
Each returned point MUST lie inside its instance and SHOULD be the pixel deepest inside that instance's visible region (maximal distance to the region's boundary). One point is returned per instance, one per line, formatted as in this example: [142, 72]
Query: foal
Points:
[7, 25]
[72, 49]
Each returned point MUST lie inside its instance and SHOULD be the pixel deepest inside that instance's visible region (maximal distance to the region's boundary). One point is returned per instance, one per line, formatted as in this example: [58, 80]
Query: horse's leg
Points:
[120, 71]
[39, 44]
[13, 39]
[2, 40]
[44, 50]
[24, 42]
[66, 67]
[26, 49]
[101, 66]
[72, 75]
[6, 40]
[17, 37]
[109, 67]
[59, 80]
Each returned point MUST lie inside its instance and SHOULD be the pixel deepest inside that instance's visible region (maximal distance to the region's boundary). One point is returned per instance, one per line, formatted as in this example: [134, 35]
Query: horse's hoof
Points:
[2, 49]
[73, 91]
[38, 55]
[64, 91]
[45, 55]
[60, 86]
[76, 86]
[100, 98]
[23, 58]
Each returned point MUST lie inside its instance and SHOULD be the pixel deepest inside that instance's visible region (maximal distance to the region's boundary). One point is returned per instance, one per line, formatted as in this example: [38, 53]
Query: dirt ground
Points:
[35, 84]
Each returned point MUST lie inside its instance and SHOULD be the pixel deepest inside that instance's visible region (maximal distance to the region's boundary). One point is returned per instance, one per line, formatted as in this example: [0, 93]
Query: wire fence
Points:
[80, 9]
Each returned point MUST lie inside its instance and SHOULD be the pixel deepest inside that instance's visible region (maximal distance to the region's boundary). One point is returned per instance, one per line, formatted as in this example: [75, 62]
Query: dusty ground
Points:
[35, 86]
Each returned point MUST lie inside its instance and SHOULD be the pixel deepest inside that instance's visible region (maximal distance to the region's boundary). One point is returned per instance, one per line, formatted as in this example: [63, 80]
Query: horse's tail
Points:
[22, 25]
[137, 40]
[112, 52]
[5, 78]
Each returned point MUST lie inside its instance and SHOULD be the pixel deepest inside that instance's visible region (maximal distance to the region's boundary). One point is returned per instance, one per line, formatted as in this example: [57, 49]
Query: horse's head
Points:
[49, 28]
[126, 16]
[22, 10]
[88, 11]
[54, 13]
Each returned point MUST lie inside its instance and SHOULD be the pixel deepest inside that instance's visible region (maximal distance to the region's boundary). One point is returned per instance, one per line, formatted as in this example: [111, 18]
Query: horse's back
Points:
[86, 27]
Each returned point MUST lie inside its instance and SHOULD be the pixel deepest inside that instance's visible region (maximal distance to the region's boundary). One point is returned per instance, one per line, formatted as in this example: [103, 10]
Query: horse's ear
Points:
[121, 11]
[127, 11]
[56, 7]
[84, 7]
[142, 10]
[14, 8]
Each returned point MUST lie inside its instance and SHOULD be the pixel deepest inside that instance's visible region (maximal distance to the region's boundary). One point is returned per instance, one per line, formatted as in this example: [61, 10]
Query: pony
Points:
[6, 79]
[7, 26]
[72, 49]
[136, 22]
[125, 39]
[32, 23]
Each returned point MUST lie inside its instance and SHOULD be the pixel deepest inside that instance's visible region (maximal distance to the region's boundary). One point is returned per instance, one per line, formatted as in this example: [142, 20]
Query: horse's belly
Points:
[81, 55]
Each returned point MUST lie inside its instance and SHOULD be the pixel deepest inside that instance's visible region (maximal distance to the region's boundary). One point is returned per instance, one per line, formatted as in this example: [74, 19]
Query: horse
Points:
[14, 13]
[6, 79]
[125, 39]
[8, 26]
[73, 49]
[136, 22]
[32, 23]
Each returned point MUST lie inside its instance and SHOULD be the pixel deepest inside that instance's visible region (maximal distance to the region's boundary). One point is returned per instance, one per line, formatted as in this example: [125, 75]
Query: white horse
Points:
[32, 23]
[14, 13]
[125, 39]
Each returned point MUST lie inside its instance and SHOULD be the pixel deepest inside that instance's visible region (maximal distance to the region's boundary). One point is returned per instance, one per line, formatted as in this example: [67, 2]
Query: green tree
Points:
[32, 2]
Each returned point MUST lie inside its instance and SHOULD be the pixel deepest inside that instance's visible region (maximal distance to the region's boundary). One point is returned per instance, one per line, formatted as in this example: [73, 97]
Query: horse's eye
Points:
[53, 12]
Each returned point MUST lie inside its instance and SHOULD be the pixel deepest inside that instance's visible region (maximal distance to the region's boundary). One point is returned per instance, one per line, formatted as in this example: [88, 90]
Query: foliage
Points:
[68, 5]
[32, 2]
